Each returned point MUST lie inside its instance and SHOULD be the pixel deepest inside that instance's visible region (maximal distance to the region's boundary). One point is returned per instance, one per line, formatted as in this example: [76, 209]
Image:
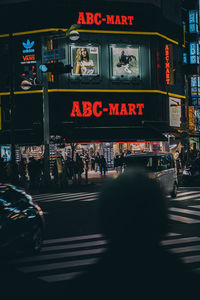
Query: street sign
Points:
[54, 54]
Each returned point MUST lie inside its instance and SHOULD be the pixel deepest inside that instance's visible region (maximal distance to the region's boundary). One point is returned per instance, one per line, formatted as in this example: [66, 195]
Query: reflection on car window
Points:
[148, 163]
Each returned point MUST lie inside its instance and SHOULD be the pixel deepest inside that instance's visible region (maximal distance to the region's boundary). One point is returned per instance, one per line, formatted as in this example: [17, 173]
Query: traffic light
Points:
[56, 68]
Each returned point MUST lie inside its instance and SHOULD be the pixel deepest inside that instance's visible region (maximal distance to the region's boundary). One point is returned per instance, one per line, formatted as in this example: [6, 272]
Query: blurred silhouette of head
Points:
[133, 206]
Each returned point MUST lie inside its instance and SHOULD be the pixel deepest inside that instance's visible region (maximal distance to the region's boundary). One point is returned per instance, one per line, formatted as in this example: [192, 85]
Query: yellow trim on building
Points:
[38, 31]
[28, 92]
[95, 91]
[0, 115]
[4, 35]
[176, 95]
[4, 93]
[94, 31]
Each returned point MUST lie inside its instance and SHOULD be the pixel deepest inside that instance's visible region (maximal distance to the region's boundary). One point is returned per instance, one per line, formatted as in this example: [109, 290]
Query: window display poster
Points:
[125, 61]
[85, 60]
[174, 112]
[197, 119]
[6, 153]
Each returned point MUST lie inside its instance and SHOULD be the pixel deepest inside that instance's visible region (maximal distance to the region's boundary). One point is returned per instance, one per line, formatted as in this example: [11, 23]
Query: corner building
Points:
[125, 91]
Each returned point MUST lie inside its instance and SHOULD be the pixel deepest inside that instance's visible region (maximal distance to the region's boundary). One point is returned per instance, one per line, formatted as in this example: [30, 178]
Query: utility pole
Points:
[12, 99]
[46, 131]
[46, 128]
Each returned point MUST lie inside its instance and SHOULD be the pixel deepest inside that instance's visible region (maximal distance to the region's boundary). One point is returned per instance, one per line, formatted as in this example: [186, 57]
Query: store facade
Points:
[116, 98]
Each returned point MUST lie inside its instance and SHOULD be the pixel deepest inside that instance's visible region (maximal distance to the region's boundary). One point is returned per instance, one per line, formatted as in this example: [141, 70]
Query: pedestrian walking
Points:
[86, 166]
[133, 218]
[3, 175]
[102, 165]
[22, 167]
[79, 167]
[97, 158]
[33, 173]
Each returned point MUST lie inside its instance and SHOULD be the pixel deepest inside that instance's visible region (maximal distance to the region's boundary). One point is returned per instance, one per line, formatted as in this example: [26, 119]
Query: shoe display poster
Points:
[125, 61]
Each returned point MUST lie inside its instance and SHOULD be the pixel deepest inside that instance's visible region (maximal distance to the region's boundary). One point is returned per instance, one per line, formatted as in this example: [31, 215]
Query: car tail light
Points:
[38, 208]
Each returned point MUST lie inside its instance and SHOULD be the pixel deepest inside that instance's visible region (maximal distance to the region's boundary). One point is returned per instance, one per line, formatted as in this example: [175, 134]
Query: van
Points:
[159, 166]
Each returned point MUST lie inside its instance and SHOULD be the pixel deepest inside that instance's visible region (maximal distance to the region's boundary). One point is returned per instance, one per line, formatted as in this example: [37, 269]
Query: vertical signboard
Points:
[0, 115]
[197, 119]
[169, 74]
[174, 112]
[191, 118]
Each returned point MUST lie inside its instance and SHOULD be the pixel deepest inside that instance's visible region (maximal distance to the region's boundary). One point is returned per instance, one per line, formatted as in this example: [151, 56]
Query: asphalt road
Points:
[74, 241]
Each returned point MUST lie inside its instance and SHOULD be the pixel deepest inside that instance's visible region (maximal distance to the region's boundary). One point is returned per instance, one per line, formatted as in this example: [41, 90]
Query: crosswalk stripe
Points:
[60, 265]
[60, 277]
[185, 211]
[57, 194]
[186, 249]
[188, 197]
[64, 196]
[187, 193]
[79, 198]
[180, 240]
[73, 238]
[71, 254]
[183, 219]
[191, 259]
[195, 206]
[74, 246]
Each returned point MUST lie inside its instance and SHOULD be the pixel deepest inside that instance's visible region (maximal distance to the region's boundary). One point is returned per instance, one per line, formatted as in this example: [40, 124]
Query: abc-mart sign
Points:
[89, 18]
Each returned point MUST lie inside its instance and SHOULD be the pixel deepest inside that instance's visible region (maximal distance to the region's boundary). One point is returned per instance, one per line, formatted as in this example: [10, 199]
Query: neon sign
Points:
[29, 57]
[28, 46]
[96, 109]
[169, 78]
[97, 19]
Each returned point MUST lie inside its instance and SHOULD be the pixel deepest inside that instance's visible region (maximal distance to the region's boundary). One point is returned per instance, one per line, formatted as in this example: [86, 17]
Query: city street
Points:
[73, 241]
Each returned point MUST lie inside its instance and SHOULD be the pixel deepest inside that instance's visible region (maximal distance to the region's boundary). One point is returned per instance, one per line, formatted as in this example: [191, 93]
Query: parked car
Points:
[22, 223]
[159, 166]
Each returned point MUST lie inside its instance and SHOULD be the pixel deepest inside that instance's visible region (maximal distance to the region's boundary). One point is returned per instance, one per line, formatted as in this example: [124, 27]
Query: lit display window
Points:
[197, 118]
[185, 58]
[195, 86]
[194, 53]
[85, 60]
[193, 21]
[124, 61]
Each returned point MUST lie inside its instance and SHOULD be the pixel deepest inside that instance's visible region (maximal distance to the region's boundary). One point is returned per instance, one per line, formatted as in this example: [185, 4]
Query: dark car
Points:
[22, 221]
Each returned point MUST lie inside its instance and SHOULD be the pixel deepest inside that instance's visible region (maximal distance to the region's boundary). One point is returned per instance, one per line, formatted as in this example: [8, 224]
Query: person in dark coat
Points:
[3, 176]
[133, 217]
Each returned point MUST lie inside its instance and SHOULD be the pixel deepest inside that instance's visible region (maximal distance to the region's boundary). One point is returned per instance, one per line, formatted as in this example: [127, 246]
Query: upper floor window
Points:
[193, 21]
[194, 53]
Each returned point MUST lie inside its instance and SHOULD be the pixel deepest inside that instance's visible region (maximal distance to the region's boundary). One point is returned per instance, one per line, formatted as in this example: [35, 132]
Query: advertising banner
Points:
[197, 119]
[6, 153]
[125, 61]
[191, 118]
[85, 60]
[174, 112]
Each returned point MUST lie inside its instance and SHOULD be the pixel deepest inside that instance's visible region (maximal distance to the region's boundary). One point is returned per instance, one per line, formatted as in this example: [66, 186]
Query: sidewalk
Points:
[95, 181]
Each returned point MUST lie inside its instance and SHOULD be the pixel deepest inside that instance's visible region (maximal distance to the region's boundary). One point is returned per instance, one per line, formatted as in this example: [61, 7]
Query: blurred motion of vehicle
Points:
[191, 176]
[159, 166]
[22, 223]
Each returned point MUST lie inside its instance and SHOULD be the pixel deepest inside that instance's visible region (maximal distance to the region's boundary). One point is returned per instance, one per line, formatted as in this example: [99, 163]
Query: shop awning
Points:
[111, 134]
[21, 137]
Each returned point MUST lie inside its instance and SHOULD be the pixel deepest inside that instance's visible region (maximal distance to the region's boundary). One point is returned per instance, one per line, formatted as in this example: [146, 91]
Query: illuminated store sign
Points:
[29, 52]
[96, 109]
[174, 112]
[169, 65]
[89, 18]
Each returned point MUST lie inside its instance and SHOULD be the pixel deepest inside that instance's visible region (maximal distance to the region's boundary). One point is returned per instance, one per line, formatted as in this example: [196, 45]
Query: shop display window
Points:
[84, 60]
[124, 61]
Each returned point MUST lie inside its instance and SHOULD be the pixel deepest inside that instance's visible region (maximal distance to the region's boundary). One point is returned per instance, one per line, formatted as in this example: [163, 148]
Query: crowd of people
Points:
[64, 172]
